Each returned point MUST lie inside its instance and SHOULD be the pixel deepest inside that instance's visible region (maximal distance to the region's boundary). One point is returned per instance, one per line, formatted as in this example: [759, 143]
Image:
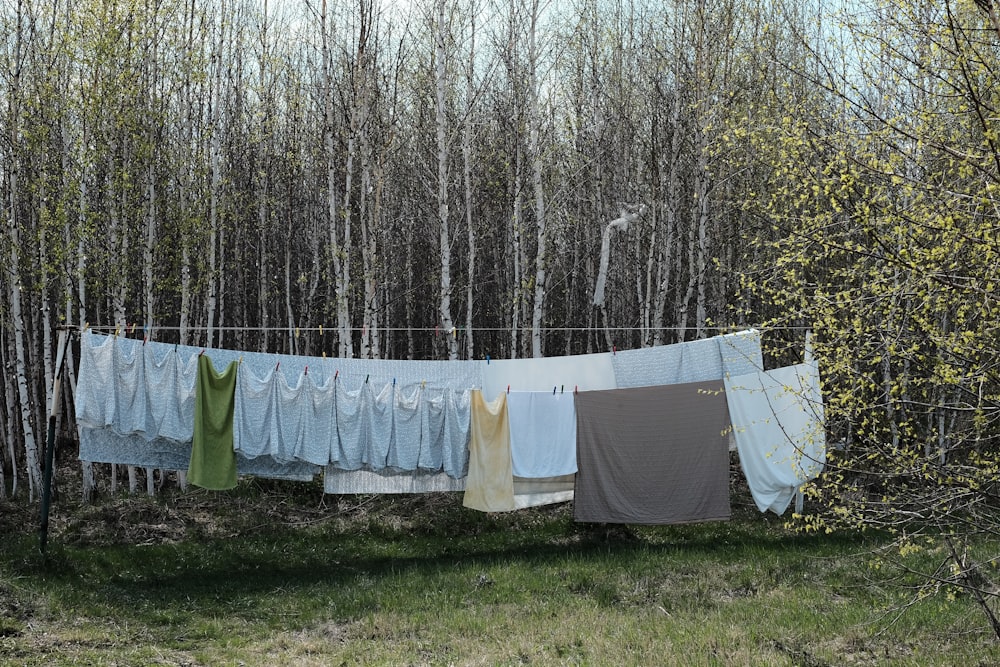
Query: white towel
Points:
[542, 433]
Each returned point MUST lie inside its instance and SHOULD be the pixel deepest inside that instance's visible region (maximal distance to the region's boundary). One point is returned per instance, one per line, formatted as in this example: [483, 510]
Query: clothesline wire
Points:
[324, 329]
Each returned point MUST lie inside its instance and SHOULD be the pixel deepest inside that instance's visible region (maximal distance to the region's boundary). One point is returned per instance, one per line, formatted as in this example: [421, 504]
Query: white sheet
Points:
[777, 419]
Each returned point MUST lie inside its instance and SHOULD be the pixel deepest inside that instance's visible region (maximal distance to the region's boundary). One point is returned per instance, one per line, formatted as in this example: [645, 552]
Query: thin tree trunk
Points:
[441, 126]
[535, 153]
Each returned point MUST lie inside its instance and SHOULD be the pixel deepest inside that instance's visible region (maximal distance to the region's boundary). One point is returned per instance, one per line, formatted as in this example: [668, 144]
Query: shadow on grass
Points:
[367, 565]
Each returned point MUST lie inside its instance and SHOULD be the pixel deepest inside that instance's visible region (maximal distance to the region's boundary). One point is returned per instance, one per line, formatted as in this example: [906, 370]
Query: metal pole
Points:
[50, 445]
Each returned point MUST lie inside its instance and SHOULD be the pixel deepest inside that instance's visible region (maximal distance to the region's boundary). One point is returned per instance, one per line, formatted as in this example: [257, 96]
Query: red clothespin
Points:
[508, 389]
[614, 350]
[277, 366]
[335, 375]
[202, 352]
[436, 330]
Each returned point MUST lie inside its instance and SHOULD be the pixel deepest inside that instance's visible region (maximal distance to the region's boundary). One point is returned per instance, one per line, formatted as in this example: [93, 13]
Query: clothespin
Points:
[562, 390]
[366, 377]
[277, 366]
[454, 332]
[321, 330]
[296, 332]
[614, 350]
[393, 382]
[554, 391]
[423, 384]
[487, 360]
[86, 325]
[576, 389]
[364, 330]
[306, 371]
[336, 374]
[133, 328]
[508, 389]
[117, 329]
[202, 352]
[241, 360]
[436, 330]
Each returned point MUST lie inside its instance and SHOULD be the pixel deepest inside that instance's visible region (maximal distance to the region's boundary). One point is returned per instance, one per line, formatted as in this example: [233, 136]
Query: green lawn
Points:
[277, 574]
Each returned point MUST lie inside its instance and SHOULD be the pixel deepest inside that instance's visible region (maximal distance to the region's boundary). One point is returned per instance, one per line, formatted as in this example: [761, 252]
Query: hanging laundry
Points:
[407, 416]
[692, 361]
[777, 419]
[129, 387]
[255, 415]
[347, 482]
[106, 446]
[103, 445]
[741, 352]
[652, 455]
[364, 427]
[213, 460]
[581, 371]
[489, 486]
[95, 395]
[542, 433]
[287, 423]
[543, 490]
[170, 384]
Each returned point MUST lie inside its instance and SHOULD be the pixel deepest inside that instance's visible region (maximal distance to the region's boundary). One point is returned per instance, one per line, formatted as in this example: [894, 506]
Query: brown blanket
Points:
[653, 455]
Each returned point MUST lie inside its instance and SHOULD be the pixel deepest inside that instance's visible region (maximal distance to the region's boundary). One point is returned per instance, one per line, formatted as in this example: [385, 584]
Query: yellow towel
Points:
[489, 486]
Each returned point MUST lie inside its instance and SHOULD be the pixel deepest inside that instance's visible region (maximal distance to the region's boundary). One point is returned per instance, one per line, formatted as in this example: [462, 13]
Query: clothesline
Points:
[407, 440]
[323, 329]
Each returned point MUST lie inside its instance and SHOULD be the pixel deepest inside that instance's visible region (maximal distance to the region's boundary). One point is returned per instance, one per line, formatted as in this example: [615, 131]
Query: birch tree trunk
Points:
[441, 127]
[535, 155]
[21, 360]
[215, 148]
[467, 181]
[14, 284]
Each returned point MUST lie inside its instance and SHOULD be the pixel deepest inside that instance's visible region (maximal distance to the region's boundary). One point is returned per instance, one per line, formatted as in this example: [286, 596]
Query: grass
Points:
[277, 574]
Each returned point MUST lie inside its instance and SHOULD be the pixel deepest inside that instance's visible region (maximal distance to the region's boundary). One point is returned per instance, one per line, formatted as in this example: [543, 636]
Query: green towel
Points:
[213, 461]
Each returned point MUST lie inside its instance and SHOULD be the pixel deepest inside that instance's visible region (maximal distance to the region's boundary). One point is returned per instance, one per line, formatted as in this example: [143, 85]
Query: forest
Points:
[523, 178]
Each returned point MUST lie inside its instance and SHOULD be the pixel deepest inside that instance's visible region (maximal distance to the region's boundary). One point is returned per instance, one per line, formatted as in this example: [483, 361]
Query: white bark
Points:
[441, 126]
[21, 361]
[621, 223]
[215, 148]
[339, 253]
[535, 154]
[467, 180]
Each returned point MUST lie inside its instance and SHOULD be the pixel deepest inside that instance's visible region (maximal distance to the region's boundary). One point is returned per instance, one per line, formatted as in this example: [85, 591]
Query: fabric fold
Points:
[489, 486]
[777, 419]
[213, 460]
